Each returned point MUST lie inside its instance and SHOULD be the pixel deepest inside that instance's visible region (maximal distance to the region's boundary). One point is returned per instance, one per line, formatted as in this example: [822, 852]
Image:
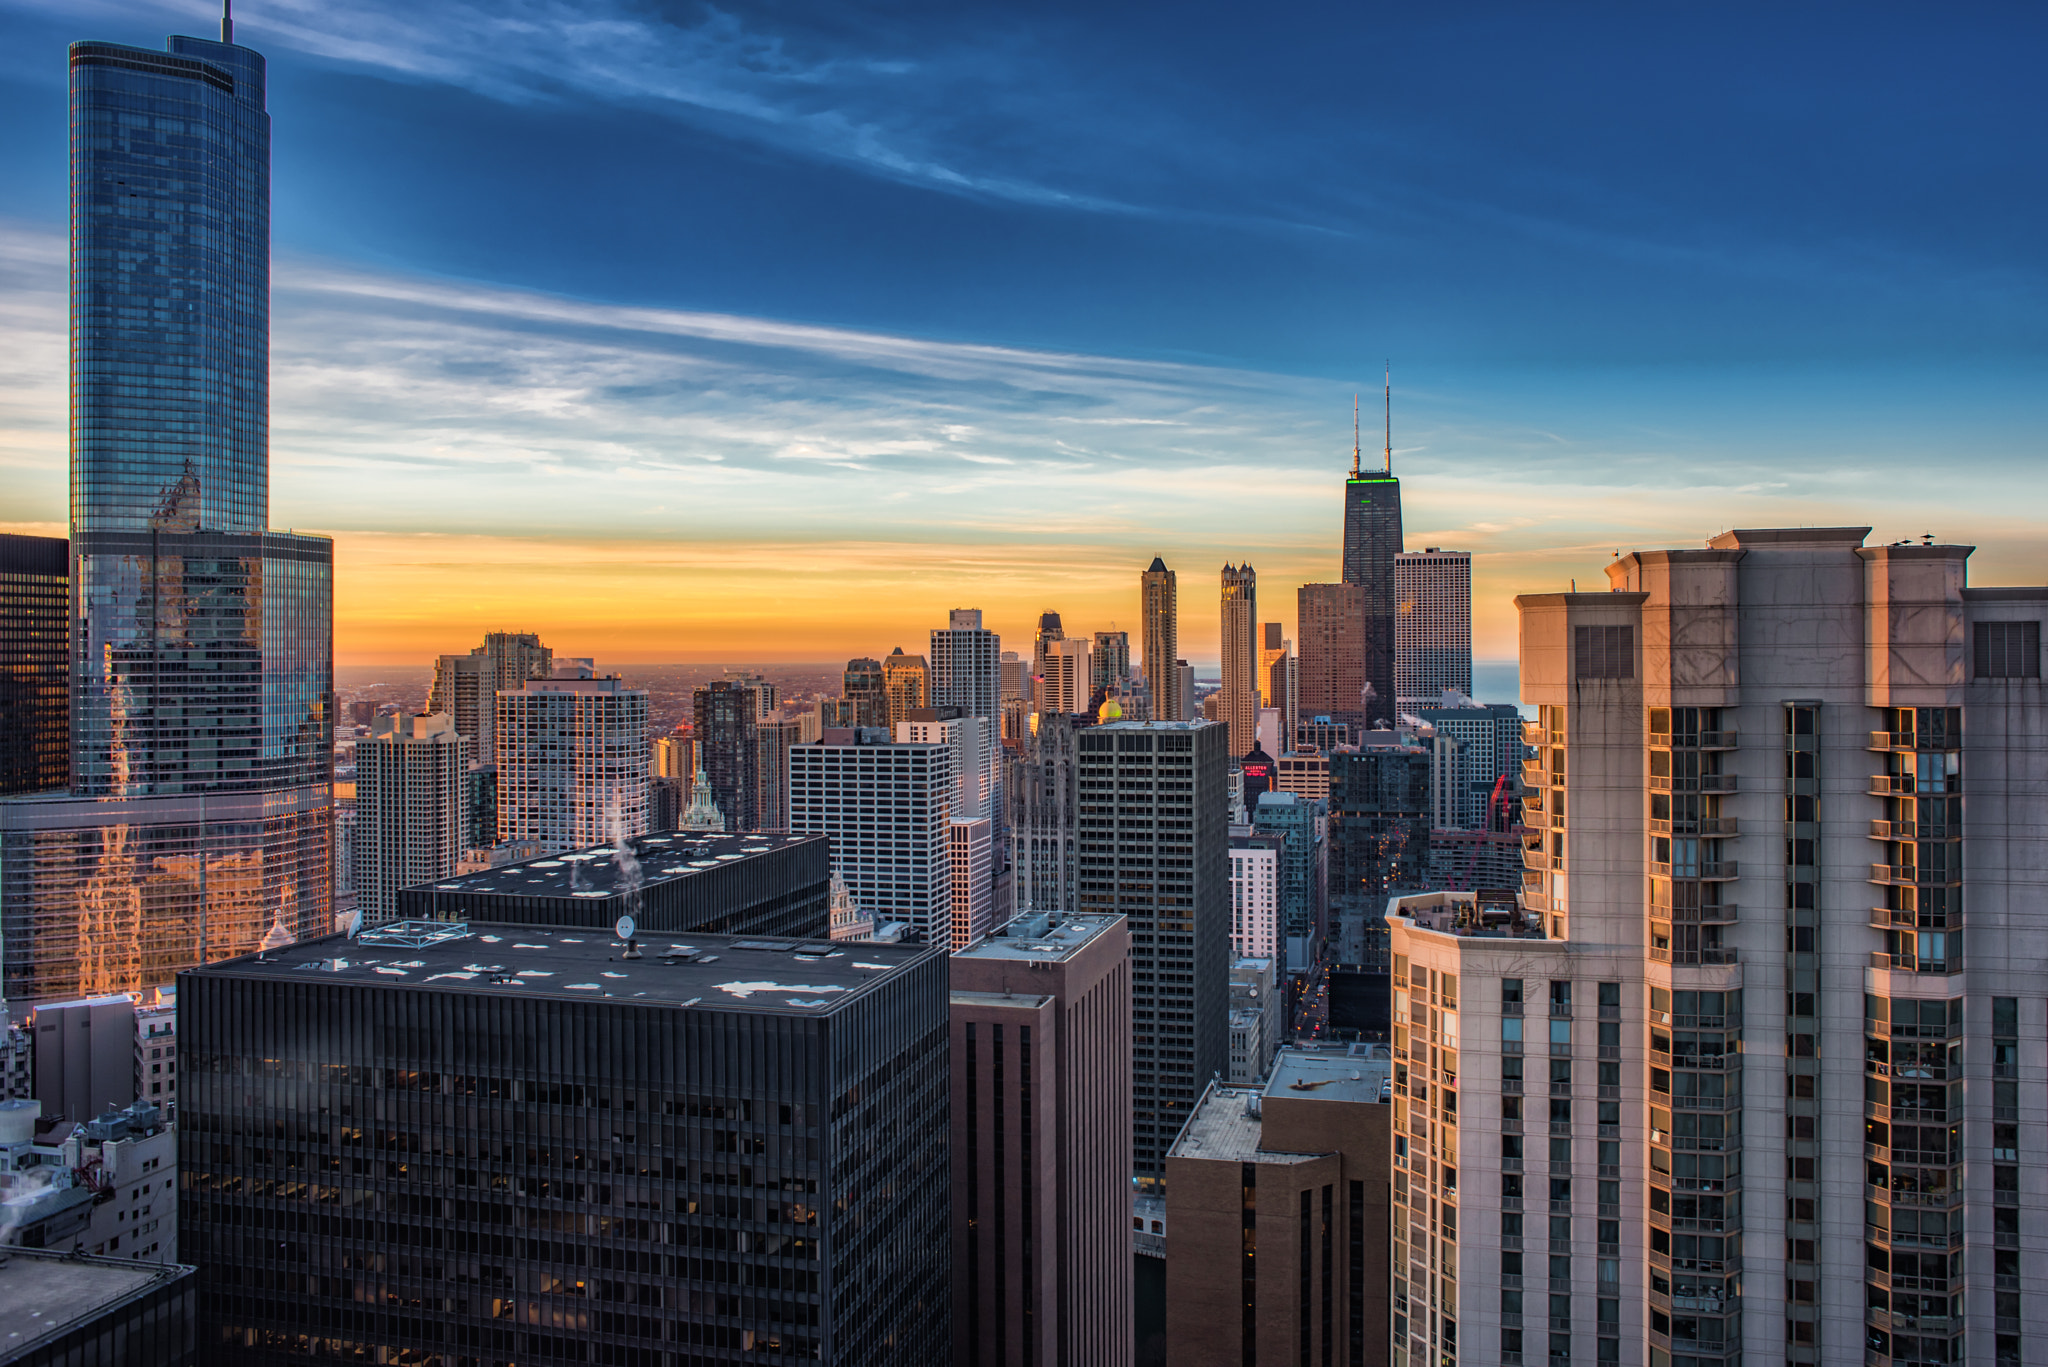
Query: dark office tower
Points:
[1041, 1101]
[201, 807]
[1372, 539]
[865, 696]
[1044, 817]
[511, 1144]
[1379, 840]
[1154, 845]
[729, 748]
[35, 663]
[1332, 679]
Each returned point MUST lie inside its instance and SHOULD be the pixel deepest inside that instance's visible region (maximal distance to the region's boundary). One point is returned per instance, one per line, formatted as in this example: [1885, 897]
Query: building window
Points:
[2007, 650]
[1604, 652]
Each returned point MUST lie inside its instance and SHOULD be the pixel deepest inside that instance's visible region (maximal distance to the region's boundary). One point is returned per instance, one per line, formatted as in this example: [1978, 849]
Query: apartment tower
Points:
[410, 808]
[1279, 682]
[966, 665]
[1784, 805]
[1240, 626]
[907, 680]
[727, 727]
[572, 762]
[1331, 620]
[1432, 626]
[1159, 620]
[466, 687]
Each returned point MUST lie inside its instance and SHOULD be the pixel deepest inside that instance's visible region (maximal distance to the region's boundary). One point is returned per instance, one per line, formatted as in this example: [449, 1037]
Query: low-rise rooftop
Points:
[706, 971]
[1357, 1073]
[1494, 915]
[47, 1292]
[1040, 939]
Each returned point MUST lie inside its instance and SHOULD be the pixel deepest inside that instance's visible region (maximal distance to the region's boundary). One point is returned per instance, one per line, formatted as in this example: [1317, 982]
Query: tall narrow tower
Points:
[1240, 658]
[202, 668]
[1372, 538]
[1159, 611]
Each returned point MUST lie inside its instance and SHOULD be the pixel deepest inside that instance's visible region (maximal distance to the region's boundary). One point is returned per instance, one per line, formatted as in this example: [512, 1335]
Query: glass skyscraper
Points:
[200, 809]
[1372, 538]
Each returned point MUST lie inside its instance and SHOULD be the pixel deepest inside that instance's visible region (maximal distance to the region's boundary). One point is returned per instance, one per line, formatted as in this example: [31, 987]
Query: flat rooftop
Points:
[46, 1292]
[1224, 1129]
[598, 872]
[1025, 941]
[711, 972]
[1330, 1075]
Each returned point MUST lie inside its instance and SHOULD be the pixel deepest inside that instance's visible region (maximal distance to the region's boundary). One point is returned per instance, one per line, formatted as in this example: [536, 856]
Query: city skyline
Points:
[501, 436]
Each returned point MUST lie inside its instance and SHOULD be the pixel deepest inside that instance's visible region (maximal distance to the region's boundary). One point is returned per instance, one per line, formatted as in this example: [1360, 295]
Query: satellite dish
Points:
[625, 928]
[355, 923]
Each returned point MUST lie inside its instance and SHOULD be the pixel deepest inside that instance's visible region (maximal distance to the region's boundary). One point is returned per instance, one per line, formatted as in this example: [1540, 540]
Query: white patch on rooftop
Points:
[799, 1001]
[491, 939]
[529, 946]
[530, 973]
[884, 967]
[545, 864]
[409, 963]
[746, 990]
[463, 976]
[395, 972]
[569, 941]
[581, 987]
[610, 974]
[482, 968]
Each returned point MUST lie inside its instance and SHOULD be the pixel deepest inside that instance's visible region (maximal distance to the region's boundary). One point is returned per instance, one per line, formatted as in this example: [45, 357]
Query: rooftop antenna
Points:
[1390, 417]
[1354, 436]
[227, 21]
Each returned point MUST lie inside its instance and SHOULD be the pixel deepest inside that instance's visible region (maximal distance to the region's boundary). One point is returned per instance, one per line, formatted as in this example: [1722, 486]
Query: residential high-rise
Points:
[1044, 820]
[200, 808]
[410, 819]
[967, 666]
[726, 723]
[466, 687]
[1184, 691]
[1165, 864]
[1330, 618]
[1041, 1098]
[1159, 623]
[1305, 775]
[1258, 1016]
[864, 700]
[1255, 892]
[1372, 540]
[1785, 791]
[1278, 1219]
[572, 762]
[907, 680]
[1063, 676]
[1432, 626]
[774, 735]
[1240, 645]
[1303, 875]
[1379, 841]
[895, 855]
[1109, 668]
[972, 852]
[974, 757]
[1016, 676]
[35, 664]
[654, 1169]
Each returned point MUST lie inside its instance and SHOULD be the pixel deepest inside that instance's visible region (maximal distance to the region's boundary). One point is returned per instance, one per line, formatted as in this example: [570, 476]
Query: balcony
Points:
[1880, 829]
[1889, 918]
[1538, 860]
[1721, 914]
[1694, 740]
[1915, 875]
[1692, 783]
[1721, 955]
[1911, 740]
[1708, 873]
[1712, 825]
[1893, 785]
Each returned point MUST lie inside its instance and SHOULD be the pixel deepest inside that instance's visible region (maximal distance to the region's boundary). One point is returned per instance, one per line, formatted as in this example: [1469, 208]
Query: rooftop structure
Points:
[670, 882]
[72, 1309]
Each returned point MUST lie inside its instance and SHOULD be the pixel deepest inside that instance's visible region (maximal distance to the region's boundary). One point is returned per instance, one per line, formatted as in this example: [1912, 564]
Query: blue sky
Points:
[799, 324]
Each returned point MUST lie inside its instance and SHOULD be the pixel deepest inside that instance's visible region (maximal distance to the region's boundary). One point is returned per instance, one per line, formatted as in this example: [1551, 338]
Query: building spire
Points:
[227, 21]
[1390, 417]
[1354, 436]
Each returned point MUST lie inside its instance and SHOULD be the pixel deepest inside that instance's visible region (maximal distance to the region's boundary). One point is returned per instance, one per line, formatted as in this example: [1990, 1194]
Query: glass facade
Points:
[1378, 838]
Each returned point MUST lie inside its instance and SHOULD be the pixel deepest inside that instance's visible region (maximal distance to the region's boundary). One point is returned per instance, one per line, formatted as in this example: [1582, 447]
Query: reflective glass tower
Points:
[200, 810]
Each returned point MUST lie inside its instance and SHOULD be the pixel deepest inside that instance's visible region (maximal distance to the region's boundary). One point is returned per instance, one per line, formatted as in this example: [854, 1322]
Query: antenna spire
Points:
[227, 21]
[1354, 434]
[1390, 417]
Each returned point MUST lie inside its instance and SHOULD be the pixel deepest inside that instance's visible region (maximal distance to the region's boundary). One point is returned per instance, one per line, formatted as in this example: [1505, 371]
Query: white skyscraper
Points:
[1255, 894]
[572, 762]
[888, 808]
[1063, 683]
[973, 854]
[409, 817]
[966, 664]
[1757, 1079]
[1432, 626]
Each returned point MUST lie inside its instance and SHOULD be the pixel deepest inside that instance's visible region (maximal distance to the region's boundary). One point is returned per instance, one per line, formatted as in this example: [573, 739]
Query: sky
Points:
[771, 332]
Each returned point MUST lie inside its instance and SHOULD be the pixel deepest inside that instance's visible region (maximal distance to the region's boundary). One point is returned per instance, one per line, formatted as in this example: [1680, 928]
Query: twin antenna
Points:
[1389, 467]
